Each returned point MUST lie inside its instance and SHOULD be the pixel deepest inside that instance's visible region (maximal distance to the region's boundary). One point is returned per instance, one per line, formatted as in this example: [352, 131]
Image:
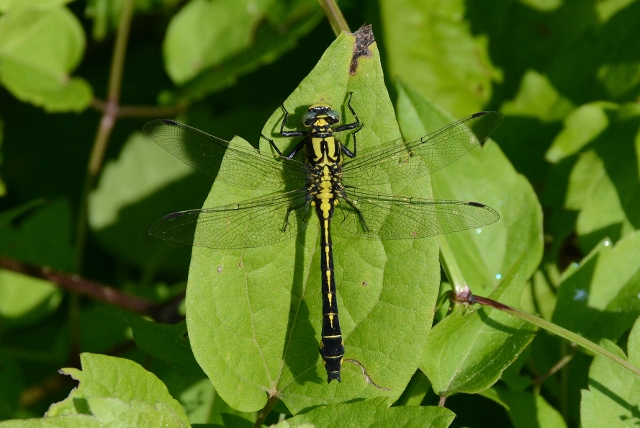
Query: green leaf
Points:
[604, 181]
[375, 413]
[483, 175]
[254, 314]
[538, 98]
[38, 49]
[581, 126]
[133, 192]
[431, 48]
[599, 298]
[613, 397]
[469, 350]
[527, 410]
[167, 342]
[43, 238]
[248, 34]
[209, 45]
[112, 388]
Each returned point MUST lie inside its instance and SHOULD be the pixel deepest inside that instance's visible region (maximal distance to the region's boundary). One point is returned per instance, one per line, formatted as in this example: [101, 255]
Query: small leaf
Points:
[247, 35]
[538, 98]
[109, 386]
[38, 48]
[468, 351]
[613, 397]
[582, 126]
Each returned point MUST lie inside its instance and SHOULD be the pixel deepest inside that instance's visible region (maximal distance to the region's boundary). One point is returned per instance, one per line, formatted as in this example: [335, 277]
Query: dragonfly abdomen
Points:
[331, 344]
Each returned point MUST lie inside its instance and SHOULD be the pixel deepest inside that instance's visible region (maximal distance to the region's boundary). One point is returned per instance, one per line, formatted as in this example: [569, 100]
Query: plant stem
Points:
[335, 17]
[264, 412]
[105, 127]
[557, 330]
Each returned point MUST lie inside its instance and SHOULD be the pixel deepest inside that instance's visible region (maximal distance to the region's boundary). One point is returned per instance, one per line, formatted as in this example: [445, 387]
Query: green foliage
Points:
[613, 396]
[564, 73]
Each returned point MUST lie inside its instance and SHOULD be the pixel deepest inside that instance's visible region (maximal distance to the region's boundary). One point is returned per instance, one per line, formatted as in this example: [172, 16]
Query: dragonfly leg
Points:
[284, 123]
[290, 209]
[357, 125]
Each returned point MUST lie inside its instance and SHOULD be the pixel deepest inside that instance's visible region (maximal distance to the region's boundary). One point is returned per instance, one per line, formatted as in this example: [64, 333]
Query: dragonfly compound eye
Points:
[309, 118]
[334, 116]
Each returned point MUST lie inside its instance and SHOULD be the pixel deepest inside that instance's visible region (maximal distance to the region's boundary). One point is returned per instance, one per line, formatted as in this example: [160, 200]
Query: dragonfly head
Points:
[319, 112]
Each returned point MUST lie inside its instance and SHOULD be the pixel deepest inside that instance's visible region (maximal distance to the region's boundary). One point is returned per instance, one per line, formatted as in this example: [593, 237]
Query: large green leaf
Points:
[38, 50]
[483, 175]
[468, 351]
[613, 397]
[375, 413]
[429, 46]
[599, 297]
[254, 314]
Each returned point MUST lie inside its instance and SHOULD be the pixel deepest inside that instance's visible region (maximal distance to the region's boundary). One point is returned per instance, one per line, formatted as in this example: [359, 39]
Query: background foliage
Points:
[562, 171]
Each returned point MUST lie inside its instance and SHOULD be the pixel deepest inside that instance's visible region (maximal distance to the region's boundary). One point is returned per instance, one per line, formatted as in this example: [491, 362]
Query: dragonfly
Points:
[330, 178]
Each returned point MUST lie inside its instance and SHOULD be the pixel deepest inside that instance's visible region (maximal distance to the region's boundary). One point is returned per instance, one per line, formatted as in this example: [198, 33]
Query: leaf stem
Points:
[335, 17]
[264, 412]
[557, 330]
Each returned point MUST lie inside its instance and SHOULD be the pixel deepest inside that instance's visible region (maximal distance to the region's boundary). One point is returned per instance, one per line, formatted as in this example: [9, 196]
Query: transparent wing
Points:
[243, 166]
[399, 161]
[403, 217]
[252, 223]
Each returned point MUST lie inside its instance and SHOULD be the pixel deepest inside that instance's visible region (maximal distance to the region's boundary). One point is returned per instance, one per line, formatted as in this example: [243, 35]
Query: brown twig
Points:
[84, 287]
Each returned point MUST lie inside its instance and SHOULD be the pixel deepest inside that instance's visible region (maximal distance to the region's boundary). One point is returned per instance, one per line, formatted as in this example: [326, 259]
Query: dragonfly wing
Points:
[401, 161]
[403, 217]
[243, 165]
[253, 223]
